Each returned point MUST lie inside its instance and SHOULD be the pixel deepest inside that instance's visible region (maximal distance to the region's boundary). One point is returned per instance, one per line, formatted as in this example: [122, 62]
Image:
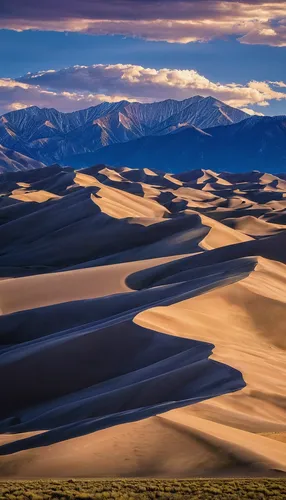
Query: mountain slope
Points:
[11, 161]
[49, 135]
[254, 143]
[203, 113]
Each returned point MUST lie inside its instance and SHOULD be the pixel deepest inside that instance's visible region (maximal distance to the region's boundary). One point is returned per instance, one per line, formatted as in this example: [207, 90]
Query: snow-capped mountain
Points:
[257, 143]
[49, 135]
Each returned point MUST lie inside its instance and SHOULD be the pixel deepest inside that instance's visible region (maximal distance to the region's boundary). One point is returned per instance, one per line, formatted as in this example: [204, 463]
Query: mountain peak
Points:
[49, 135]
[212, 99]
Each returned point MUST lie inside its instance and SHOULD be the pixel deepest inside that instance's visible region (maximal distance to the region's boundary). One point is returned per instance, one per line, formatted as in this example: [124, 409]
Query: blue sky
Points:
[247, 60]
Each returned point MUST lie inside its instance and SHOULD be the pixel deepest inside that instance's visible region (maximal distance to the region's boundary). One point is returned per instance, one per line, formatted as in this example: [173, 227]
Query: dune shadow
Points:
[76, 367]
[81, 366]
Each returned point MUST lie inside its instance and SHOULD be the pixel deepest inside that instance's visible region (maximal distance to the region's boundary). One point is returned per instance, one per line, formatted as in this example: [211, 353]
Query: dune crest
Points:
[142, 325]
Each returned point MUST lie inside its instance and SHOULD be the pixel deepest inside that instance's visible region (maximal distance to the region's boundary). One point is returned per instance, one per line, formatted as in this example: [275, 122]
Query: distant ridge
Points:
[49, 136]
[257, 143]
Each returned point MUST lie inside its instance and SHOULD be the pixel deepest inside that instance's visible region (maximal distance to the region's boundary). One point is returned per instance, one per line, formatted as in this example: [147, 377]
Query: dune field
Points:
[142, 323]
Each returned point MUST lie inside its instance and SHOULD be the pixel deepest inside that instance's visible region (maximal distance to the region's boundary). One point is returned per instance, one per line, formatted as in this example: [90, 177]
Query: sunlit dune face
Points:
[30, 195]
[23, 184]
[142, 312]
[112, 175]
[86, 180]
[162, 295]
[120, 206]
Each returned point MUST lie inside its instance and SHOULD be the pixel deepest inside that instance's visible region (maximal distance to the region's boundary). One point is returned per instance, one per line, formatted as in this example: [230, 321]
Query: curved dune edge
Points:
[254, 345]
[220, 235]
[178, 281]
[251, 226]
[55, 288]
[145, 372]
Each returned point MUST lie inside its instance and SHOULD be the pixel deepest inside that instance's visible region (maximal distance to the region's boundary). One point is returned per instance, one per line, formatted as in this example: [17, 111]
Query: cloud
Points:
[268, 33]
[252, 112]
[14, 106]
[149, 84]
[16, 95]
[278, 84]
[252, 21]
[79, 87]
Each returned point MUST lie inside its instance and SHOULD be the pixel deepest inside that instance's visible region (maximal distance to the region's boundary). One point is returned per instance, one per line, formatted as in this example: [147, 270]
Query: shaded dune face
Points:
[83, 384]
[125, 294]
[144, 373]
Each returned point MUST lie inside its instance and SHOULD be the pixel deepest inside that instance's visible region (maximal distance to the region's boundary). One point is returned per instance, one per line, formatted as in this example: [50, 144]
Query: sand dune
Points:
[38, 196]
[142, 326]
[254, 227]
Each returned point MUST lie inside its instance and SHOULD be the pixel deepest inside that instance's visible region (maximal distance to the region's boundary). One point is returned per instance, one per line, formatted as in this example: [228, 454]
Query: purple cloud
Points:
[182, 21]
[124, 9]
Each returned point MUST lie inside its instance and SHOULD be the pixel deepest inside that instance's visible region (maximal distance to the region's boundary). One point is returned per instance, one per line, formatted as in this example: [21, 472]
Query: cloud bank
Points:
[79, 87]
[252, 21]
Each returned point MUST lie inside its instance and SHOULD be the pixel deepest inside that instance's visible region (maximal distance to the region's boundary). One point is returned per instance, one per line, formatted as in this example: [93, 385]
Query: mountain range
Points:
[199, 132]
[257, 143]
[49, 135]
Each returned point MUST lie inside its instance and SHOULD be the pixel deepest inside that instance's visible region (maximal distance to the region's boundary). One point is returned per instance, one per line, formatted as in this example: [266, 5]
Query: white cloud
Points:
[145, 84]
[79, 87]
[14, 106]
[278, 84]
[252, 112]
[17, 95]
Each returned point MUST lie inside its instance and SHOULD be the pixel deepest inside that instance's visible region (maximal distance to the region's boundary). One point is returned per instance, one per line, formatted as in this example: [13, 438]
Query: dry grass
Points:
[145, 489]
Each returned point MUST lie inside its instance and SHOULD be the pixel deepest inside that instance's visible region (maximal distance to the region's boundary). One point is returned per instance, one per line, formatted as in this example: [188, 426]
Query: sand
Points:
[142, 326]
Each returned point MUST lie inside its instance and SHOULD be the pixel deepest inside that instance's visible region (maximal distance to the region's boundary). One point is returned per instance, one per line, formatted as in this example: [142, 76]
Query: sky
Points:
[72, 54]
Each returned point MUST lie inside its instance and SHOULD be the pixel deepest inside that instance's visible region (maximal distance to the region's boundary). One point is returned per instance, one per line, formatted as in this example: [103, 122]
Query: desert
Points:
[142, 327]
